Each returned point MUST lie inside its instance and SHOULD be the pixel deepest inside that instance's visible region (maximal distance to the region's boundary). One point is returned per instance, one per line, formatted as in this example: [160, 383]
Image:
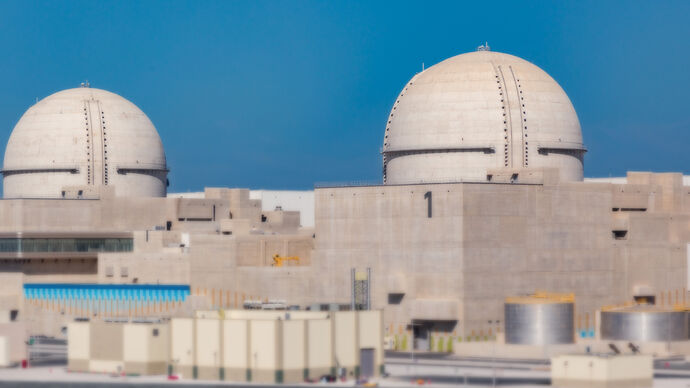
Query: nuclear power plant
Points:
[483, 224]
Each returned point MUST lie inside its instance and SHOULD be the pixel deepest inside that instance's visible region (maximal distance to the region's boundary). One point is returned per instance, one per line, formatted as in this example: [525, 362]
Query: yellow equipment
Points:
[278, 260]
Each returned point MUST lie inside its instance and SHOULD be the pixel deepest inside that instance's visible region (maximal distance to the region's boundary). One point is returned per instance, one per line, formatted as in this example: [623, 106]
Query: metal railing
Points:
[46, 350]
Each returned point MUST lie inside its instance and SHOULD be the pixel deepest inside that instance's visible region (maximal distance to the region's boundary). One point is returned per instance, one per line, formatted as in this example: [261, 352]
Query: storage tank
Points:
[540, 319]
[644, 323]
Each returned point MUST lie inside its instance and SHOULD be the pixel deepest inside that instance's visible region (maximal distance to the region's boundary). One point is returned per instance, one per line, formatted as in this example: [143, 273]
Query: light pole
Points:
[412, 344]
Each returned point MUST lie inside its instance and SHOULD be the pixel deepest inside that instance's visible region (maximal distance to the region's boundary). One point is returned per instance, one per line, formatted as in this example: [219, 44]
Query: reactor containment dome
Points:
[477, 112]
[84, 138]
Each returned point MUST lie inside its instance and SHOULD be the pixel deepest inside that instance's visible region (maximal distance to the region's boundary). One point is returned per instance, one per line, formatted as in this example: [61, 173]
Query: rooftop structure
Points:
[79, 140]
[477, 112]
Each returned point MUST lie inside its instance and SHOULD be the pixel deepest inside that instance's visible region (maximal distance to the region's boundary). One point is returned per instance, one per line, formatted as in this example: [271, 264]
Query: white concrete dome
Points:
[88, 138]
[478, 111]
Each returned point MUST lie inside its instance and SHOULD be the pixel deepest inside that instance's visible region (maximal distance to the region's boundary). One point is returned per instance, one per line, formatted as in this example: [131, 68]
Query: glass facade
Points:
[66, 244]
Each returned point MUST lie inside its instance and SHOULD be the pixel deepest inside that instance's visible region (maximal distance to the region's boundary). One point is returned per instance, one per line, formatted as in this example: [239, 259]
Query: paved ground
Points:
[435, 371]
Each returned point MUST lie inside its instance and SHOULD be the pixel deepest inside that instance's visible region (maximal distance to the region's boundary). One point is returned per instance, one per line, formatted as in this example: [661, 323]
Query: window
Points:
[620, 234]
[66, 244]
[395, 298]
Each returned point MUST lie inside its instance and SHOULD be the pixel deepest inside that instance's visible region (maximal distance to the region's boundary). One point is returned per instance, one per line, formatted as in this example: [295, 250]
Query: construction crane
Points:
[278, 260]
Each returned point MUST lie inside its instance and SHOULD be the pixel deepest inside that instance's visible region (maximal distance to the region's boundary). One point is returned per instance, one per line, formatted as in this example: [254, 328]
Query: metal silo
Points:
[644, 323]
[540, 319]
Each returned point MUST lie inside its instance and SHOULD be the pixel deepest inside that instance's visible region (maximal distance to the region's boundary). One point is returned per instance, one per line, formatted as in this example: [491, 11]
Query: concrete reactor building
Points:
[483, 197]
[86, 138]
[476, 112]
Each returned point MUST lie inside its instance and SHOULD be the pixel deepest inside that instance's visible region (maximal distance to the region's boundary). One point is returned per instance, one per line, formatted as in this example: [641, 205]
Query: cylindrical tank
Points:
[644, 323]
[540, 319]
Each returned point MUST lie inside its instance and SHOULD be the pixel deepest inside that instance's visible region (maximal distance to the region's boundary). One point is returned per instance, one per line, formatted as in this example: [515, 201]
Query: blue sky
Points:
[284, 94]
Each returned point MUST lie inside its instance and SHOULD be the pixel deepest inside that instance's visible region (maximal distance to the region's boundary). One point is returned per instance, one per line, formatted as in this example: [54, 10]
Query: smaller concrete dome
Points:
[86, 138]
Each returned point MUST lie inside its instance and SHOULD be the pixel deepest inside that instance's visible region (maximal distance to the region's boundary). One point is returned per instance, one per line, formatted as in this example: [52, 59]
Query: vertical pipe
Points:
[352, 286]
[368, 288]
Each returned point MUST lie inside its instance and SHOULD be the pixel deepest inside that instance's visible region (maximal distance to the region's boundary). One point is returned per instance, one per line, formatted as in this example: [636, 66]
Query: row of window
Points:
[66, 244]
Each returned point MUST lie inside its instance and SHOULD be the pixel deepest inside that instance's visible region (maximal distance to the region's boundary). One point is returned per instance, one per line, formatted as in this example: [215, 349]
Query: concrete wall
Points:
[319, 348]
[601, 241]
[301, 201]
[208, 348]
[146, 348]
[143, 268]
[484, 242]
[263, 350]
[273, 346]
[5, 352]
[235, 349]
[182, 346]
[15, 335]
[294, 352]
[194, 251]
[79, 346]
[108, 347]
[602, 371]
[346, 338]
[372, 337]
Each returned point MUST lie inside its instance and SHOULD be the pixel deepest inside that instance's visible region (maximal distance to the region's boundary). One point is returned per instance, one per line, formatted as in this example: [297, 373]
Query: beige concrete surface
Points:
[79, 349]
[485, 242]
[109, 347]
[182, 355]
[602, 371]
[478, 111]
[84, 138]
[15, 334]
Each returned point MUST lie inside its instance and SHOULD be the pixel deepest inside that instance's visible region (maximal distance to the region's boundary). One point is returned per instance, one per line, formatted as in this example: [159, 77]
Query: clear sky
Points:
[287, 93]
